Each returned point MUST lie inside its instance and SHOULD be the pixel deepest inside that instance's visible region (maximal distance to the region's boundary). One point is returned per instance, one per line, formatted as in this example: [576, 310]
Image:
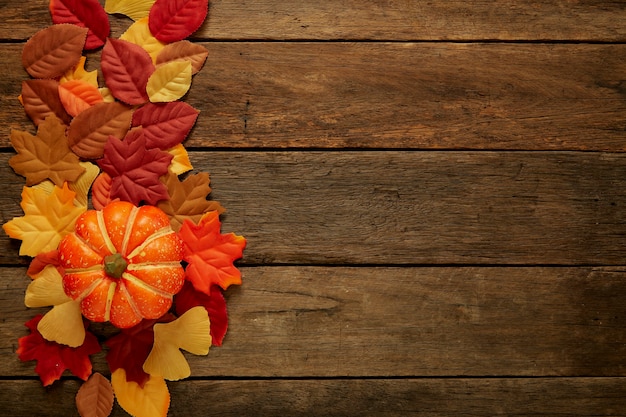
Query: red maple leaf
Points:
[135, 170]
[130, 348]
[215, 305]
[53, 358]
[210, 254]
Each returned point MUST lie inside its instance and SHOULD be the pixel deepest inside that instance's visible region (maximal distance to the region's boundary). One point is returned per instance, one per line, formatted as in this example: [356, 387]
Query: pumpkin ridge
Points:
[140, 283]
[83, 270]
[131, 300]
[105, 232]
[107, 311]
[167, 230]
[90, 289]
[130, 224]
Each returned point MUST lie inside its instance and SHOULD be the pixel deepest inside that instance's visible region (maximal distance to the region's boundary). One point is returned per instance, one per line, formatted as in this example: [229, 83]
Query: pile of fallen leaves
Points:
[99, 142]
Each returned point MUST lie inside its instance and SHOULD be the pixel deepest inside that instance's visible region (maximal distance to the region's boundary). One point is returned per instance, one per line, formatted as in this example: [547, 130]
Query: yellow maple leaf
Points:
[47, 218]
[135, 9]
[190, 332]
[153, 400]
[181, 162]
[81, 186]
[139, 34]
[78, 72]
[169, 82]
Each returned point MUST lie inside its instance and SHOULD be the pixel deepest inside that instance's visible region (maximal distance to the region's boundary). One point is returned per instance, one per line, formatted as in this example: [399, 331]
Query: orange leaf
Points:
[78, 95]
[153, 400]
[189, 51]
[54, 50]
[40, 99]
[95, 397]
[101, 191]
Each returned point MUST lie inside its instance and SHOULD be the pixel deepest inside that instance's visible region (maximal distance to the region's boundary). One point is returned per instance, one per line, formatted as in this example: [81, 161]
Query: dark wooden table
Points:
[434, 197]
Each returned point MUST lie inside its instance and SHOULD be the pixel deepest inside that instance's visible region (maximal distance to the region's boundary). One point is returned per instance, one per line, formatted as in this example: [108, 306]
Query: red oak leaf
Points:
[215, 305]
[210, 254]
[130, 348]
[174, 20]
[53, 358]
[84, 13]
[135, 170]
[165, 125]
[126, 68]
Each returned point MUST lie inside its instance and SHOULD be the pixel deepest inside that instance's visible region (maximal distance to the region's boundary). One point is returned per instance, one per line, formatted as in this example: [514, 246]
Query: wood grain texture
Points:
[392, 322]
[340, 397]
[390, 95]
[581, 20]
[410, 207]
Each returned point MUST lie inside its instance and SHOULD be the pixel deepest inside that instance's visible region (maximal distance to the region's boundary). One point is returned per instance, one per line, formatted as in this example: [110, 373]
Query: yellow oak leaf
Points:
[153, 400]
[135, 9]
[139, 34]
[78, 72]
[169, 82]
[191, 332]
[181, 162]
[46, 155]
[47, 218]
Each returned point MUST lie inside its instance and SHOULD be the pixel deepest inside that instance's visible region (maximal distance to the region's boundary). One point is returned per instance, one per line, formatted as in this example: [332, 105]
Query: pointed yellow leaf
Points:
[139, 34]
[190, 332]
[46, 289]
[169, 82]
[181, 162]
[80, 187]
[153, 400]
[63, 324]
[107, 97]
[78, 72]
[135, 9]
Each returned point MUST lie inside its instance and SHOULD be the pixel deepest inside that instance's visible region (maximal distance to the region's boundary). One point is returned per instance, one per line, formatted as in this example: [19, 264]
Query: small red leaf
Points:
[84, 13]
[174, 20]
[40, 99]
[165, 125]
[214, 304]
[126, 68]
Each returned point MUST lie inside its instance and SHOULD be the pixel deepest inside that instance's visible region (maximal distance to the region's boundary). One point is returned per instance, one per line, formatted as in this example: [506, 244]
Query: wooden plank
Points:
[409, 208]
[392, 322]
[378, 19]
[394, 95]
[348, 397]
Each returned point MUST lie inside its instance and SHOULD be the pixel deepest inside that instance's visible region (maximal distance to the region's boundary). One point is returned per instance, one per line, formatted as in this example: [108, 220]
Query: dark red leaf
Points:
[84, 13]
[126, 68]
[174, 20]
[165, 125]
[215, 305]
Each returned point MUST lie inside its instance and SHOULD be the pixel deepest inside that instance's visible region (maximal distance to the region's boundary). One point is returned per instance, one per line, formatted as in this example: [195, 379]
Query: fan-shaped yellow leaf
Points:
[181, 162]
[135, 9]
[78, 72]
[139, 34]
[80, 187]
[63, 324]
[153, 400]
[169, 82]
[190, 332]
[46, 289]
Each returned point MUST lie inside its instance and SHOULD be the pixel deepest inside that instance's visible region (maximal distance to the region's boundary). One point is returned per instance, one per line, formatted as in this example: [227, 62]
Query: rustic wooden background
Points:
[433, 194]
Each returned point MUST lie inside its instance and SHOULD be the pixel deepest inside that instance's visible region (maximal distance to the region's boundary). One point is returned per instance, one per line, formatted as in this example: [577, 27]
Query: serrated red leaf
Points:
[135, 171]
[165, 125]
[83, 13]
[40, 99]
[126, 68]
[175, 20]
[214, 303]
[53, 358]
[210, 254]
[42, 260]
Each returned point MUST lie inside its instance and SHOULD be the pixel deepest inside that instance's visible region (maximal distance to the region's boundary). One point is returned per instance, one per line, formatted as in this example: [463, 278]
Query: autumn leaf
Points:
[187, 199]
[83, 13]
[214, 304]
[40, 99]
[190, 332]
[101, 191]
[165, 124]
[91, 129]
[135, 170]
[151, 400]
[210, 254]
[184, 50]
[41, 261]
[169, 82]
[78, 95]
[139, 34]
[126, 68]
[95, 397]
[78, 72]
[180, 163]
[175, 20]
[46, 155]
[47, 218]
[52, 51]
[81, 186]
[52, 358]
[135, 9]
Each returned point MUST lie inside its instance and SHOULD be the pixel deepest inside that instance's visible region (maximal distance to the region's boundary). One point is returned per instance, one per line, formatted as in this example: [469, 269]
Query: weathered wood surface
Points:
[342, 397]
[394, 95]
[398, 322]
[580, 20]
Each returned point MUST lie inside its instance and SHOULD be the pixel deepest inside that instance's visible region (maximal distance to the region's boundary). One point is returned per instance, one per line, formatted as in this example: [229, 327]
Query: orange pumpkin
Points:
[122, 263]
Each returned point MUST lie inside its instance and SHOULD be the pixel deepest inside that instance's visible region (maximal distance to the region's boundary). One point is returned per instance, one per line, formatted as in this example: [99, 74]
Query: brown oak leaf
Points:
[46, 155]
[188, 198]
[95, 397]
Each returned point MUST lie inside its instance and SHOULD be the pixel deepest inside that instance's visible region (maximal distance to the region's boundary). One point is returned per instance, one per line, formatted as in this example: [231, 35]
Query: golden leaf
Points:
[153, 400]
[135, 9]
[169, 82]
[181, 162]
[139, 34]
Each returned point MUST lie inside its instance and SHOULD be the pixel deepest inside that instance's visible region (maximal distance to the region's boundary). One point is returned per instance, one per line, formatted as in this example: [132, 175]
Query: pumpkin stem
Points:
[115, 265]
